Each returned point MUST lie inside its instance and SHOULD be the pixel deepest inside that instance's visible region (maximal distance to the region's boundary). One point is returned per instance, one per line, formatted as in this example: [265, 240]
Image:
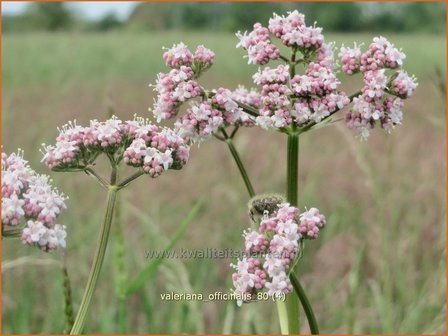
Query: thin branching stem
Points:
[114, 175]
[224, 133]
[235, 129]
[284, 58]
[98, 259]
[242, 169]
[292, 63]
[309, 126]
[131, 178]
[219, 137]
[248, 109]
[89, 171]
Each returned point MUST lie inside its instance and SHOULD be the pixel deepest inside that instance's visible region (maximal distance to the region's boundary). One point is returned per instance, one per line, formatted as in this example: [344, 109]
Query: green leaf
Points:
[150, 270]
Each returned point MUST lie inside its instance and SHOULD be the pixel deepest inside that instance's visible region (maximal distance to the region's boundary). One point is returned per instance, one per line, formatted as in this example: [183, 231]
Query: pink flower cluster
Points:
[179, 55]
[203, 58]
[200, 122]
[179, 85]
[174, 88]
[304, 98]
[403, 85]
[249, 97]
[203, 119]
[350, 59]
[141, 143]
[161, 150]
[312, 97]
[380, 54]
[292, 31]
[29, 196]
[275, 102]
[315, 96]
[259, 47]
[218, 108]
[381, 98]
[273, 250]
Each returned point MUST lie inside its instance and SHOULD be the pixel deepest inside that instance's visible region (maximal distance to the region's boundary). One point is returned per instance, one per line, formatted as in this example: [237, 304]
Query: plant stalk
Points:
[120, 271]
[292, 301]
[292, 173]
[282, 317]
[92, 173]
[80, 320]
[131, 178]
[241, 167]
[312, 322]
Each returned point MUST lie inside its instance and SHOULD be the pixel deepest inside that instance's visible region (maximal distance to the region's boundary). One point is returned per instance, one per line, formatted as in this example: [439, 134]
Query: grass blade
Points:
[149, 271]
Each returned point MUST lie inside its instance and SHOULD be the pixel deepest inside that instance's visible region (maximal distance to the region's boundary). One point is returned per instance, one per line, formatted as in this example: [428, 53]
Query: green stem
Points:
[293, 313]
[282, 317]
[114, 176]
[131, 178]
[92, 173]
[120, 271]
[292, 168]
[241, 167]
[292, 63]
[314, 328]
[292, 301]
[12, 233]
[80, 320]
[285, 59]
[249, 109]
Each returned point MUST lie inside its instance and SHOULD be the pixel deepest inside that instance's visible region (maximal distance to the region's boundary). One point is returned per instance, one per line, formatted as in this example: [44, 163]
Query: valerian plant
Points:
[291, 103]
[298, 95]
[148, 148]
[138, 143]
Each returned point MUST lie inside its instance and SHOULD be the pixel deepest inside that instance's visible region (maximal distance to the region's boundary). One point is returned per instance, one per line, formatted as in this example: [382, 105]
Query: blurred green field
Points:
[379, 266]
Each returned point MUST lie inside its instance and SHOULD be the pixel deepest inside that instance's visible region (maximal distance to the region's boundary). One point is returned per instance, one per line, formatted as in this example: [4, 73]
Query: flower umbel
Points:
[138, 142]
[273, 249]
[28, 197]
[382, 94]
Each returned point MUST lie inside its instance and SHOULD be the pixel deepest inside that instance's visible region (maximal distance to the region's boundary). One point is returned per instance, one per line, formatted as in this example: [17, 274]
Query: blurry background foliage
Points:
[378, 267]
[222, 16]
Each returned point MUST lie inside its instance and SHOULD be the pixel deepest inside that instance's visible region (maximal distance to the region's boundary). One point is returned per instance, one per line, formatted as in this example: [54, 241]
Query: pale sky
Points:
[90, 9]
